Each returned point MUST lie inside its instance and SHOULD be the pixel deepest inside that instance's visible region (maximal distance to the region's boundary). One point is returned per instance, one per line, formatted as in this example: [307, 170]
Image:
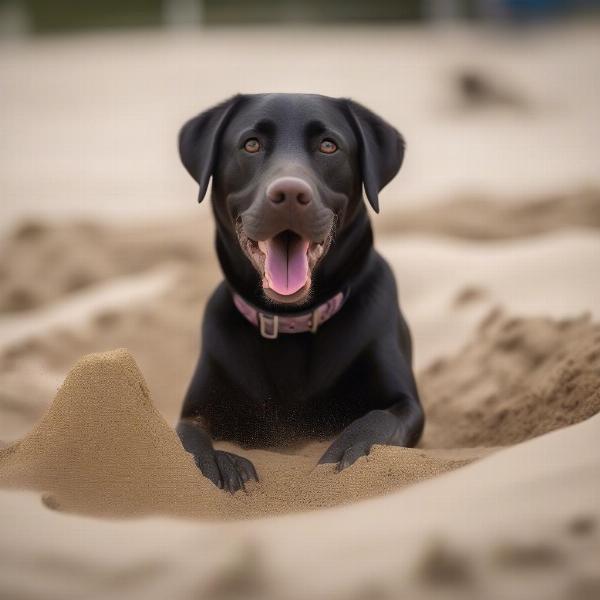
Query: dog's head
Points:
[288, 172]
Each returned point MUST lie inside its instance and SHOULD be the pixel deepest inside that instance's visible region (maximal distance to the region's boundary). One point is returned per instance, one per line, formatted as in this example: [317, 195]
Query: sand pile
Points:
[43, 262]
[478, 218]
[516, 379]
[103, 449]
[103, 441]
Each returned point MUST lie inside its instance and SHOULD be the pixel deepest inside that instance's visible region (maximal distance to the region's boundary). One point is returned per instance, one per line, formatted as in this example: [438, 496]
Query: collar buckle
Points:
[269, 326]
[315, 319]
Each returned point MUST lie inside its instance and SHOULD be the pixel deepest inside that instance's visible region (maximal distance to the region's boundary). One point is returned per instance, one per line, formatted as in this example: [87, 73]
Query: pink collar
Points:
[271, 324]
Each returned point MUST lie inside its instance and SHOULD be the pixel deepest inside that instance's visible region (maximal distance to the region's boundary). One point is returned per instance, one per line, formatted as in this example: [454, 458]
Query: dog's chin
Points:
[285, 264]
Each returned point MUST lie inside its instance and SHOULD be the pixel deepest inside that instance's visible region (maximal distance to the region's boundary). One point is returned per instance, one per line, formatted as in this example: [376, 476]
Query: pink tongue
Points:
[286, 264]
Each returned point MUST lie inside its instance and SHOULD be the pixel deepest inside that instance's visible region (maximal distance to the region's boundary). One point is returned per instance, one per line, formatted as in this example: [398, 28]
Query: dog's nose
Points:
[289, 190]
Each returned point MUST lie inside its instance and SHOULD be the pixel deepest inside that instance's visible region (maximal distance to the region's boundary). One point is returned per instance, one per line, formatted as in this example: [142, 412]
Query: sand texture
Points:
[508, 218]
[518, 378]
[102, 440]
[103, 449]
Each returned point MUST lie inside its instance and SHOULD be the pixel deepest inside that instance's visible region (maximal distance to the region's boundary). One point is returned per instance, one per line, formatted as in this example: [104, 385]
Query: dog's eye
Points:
[328, 147]
[252, 145]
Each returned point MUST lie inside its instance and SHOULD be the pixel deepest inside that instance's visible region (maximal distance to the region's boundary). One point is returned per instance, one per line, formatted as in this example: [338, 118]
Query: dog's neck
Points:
[343, 264]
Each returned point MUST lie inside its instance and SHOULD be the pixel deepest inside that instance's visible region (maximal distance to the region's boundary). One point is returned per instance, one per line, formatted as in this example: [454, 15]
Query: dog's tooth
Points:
[262, 247]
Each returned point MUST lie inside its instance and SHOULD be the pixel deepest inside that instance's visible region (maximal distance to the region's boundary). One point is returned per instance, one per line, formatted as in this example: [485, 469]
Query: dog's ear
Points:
[381, 150]
[199, 141]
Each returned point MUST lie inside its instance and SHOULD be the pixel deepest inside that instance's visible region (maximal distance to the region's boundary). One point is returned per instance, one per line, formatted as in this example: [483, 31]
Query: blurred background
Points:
[494, 96]
[41, 16]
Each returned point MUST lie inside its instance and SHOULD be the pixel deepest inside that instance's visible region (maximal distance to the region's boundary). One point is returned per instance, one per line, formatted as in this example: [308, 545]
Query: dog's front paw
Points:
[376, 427]
[227, 471]
[345, 456]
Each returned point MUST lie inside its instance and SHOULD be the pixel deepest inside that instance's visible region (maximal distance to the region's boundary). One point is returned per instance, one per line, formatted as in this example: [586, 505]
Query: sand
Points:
[103, 449]
[506, 218]
[513, 379]
[106, 446]
[518, 378]
[523, 523]
[102, 253]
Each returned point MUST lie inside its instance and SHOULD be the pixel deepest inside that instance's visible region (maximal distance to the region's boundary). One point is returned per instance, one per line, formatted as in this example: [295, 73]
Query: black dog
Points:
[304, 339]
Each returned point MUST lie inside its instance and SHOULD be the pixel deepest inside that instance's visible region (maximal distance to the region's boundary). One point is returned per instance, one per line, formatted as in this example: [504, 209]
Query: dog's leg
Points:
[401, 424]
[226, 470]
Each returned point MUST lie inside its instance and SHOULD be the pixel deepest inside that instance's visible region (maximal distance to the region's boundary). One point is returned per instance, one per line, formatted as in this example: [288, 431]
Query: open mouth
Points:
[285, 263]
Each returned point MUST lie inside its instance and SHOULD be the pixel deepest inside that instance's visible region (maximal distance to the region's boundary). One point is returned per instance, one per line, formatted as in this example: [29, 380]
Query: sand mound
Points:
[518, 378]
[103, 441]
[42, 262]
[482, 219]
[103, 449]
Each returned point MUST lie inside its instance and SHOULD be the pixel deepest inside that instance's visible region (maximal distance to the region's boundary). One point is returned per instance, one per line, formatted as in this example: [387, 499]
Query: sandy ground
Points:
[500, 288]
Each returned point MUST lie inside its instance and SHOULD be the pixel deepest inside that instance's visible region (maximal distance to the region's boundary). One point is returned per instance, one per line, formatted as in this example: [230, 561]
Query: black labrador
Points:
[304, 338]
